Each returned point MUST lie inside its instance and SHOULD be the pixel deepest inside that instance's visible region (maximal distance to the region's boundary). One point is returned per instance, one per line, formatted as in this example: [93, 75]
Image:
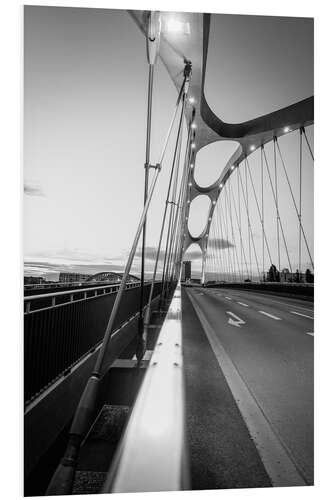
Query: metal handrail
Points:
[157, 421]
[29, 298]
[55, 284]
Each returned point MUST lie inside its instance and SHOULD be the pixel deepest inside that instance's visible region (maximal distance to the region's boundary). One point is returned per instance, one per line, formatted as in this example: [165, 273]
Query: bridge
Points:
[162, 385]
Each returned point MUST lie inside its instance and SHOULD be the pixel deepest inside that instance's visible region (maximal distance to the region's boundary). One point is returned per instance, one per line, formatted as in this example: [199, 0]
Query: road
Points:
[268, 340]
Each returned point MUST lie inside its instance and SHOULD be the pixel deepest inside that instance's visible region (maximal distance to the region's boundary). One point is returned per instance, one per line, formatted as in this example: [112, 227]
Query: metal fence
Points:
[60, 328]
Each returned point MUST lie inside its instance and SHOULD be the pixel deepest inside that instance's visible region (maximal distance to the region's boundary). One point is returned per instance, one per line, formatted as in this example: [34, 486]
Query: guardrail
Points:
[53, 284]
[46, 300]
[157, 422]
[62, 327]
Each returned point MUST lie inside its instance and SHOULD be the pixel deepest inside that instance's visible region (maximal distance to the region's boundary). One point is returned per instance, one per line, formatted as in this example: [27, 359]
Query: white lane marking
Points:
[269, 315]
[300, 314]
[278, 301]
[238, 321]
[277, 460]
[242, 304]
[228, 298]
[310, 333]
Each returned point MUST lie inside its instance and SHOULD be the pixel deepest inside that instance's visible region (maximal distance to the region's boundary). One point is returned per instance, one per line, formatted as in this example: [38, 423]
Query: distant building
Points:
[73, 277]
[34, 280]
[286, 276]
[111, 277]
[186, 270]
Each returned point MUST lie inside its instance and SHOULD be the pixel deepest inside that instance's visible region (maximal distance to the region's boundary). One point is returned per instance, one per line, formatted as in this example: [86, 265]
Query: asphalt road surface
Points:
[269, 340]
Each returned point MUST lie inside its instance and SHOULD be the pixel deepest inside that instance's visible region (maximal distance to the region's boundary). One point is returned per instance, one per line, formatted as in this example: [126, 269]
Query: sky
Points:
[85, 87]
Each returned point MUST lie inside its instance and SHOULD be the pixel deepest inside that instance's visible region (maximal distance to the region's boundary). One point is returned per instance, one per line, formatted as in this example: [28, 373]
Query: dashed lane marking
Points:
[310, 333]
[300, 314]
[228, 298]
[278, 461]
[243, 304]
[269, 315]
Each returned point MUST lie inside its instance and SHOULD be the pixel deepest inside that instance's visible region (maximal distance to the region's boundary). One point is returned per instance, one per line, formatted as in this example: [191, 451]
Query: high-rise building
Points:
[186, 270]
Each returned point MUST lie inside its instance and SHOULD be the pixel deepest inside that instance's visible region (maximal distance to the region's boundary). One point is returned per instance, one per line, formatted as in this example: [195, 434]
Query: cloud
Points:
[51, 267]
[150, 253]
[31, 190]
[219, 243]
[193, 255]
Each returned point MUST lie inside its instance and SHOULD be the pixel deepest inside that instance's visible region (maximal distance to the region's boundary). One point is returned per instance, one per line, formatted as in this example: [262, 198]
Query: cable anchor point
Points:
[153, 36]
[187, 69]
[155, 167]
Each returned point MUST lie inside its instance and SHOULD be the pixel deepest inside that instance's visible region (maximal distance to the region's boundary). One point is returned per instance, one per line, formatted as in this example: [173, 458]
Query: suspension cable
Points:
[294, 202]
[272, 188]
[309, 147]
[174, 224]
[232, 227]
[178, 225]
[240, 219]
[172, 201]
[220, 235]
[239, 229]
[249, 223]
[261, 217]
[300, 202]
[152, 45]
[228, 216]
[62, 480]
[277, 206]
[174, 210]
[148, 309]
[213, 254]
[225, 222]
[248, 216]
[224, 219]
[217, 222]
[230, 231]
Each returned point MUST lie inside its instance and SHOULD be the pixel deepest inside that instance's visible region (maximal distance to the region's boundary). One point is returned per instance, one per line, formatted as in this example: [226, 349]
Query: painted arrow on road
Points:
[236, 321]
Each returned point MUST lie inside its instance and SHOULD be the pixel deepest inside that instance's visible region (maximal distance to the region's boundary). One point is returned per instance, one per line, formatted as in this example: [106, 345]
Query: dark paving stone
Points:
[88, 482]
[101, 443]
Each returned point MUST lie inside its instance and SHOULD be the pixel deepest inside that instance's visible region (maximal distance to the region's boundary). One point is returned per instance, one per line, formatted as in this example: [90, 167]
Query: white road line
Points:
[279, 302]
[269, 315]
[242, 304]
[310, 333]
[277, 460]
[228, 298]
[300, 314]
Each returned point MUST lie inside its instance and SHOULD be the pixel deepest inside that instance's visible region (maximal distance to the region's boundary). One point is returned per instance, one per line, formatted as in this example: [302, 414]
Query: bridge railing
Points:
[46, 300]
[157, 422]
[62, 327]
